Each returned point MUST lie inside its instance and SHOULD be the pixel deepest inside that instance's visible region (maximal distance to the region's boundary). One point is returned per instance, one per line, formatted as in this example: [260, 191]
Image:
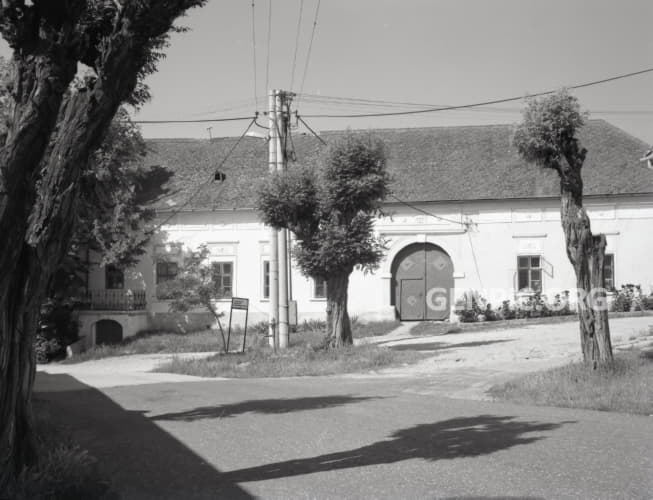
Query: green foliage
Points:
[472, 307]
[57, 329]
[549, 123]
[64, 469]
[330, 210]
[195, 285]
[630, 298]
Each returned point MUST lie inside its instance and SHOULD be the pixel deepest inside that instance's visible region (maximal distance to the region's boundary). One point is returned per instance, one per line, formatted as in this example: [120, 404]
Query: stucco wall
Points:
[132, 322]
[484, 258]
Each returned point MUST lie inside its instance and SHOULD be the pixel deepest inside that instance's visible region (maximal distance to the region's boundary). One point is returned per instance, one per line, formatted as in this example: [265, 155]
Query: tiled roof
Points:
[427, 164]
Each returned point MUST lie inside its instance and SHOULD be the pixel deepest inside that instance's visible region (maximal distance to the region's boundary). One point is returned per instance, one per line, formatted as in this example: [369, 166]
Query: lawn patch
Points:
[624, 386]
[158, 342]
[155, 343]
[303, 357]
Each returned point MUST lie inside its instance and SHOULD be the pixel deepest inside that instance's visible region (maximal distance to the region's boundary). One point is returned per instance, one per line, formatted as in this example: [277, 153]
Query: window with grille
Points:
[529, 273]
[608, 271]
[166, 271]
[222, 279]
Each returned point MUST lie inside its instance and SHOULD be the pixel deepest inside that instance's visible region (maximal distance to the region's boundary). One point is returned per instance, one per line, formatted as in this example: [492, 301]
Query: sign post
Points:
[238, 303]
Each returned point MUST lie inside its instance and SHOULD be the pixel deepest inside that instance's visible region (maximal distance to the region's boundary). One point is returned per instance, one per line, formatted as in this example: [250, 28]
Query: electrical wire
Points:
[485, 103]
[392, 195]
[206, 120]
[254, 51]
[478, 273]
[325, 101]
[199, 188]
[425, 212]
[299, 118]
[310, 47]
[267, 62]
[294, 61]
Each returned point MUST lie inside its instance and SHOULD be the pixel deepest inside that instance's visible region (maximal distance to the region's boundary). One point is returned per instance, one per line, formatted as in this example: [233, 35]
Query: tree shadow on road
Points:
[264, 406]
[452, 438]
[141, 459]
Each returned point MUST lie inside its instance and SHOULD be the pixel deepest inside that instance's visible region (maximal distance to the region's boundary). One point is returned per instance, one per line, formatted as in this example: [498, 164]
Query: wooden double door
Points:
[422, 281]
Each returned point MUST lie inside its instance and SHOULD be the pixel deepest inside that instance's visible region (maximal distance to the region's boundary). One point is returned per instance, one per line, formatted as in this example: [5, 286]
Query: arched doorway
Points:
[422, 280]
[108, 331]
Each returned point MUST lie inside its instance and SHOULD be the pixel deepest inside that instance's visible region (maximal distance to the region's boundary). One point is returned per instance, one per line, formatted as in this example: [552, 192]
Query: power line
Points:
[392, 195]
[478, 273]
[294, 61]
[267, 62]
[324, 101]
[485, 103]
[199, 188]
[425, 212]
[207, 120]
[310, 46]
[254, 47]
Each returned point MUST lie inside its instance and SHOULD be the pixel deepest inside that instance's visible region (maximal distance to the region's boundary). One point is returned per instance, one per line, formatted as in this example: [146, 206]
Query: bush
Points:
[57, 329]
[508, 311]
[630, 298]
[472, 307]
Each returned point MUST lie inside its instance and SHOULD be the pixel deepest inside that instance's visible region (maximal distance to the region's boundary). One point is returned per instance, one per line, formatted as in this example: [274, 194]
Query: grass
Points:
[210, 341]
[304, 357]
[64, 470]
[624, 386]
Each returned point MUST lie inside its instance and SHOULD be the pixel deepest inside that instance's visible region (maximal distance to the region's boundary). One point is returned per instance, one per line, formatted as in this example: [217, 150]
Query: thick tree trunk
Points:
[38, 87]
[338, 323]
[18, 315]
[47, 144]
[586, 253]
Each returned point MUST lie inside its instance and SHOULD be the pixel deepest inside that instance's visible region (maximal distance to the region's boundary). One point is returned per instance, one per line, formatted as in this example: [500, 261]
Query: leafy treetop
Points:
[330, 209]
[549, 126]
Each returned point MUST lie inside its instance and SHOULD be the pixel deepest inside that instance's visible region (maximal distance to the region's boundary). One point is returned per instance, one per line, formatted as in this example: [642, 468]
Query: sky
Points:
[433, 52]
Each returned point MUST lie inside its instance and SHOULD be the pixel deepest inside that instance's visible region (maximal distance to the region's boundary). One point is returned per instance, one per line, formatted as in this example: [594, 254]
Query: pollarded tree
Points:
[330, 211]
[547, 137]
[55, 123]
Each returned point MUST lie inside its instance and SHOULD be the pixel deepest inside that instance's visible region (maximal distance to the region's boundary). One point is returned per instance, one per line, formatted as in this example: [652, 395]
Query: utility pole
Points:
[279, 114]
[274, 249]
[282, 131]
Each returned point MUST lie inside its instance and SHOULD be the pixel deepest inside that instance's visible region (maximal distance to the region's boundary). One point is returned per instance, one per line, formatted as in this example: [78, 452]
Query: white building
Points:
[448, 177]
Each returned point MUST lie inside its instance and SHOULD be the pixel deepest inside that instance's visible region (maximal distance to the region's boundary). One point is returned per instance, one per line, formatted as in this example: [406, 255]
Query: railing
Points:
[115, 300]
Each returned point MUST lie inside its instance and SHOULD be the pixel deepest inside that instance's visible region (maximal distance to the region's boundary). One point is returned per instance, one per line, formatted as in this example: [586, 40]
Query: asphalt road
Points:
[347, 437]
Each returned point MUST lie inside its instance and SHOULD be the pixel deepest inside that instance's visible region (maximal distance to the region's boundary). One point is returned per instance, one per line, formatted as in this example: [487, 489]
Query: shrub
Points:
[470, 307]
[57, 329]
[629, 298]
[508, 311]
[561, 305]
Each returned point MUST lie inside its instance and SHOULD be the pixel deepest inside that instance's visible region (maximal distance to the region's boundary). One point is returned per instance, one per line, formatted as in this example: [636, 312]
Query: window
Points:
[529, 273]
[319, 288]
[166, 271]
[114, 278]
[222, 279]
[266, 279]
[608, 271]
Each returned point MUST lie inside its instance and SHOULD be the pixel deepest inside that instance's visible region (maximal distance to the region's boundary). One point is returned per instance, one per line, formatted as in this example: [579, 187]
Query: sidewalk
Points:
[117, 371]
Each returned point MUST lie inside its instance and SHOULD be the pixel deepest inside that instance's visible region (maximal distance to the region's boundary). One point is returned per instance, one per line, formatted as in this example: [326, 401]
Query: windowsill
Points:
[317, 299]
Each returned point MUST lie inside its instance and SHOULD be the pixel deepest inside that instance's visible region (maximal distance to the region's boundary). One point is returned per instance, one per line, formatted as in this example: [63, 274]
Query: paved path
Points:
[344, 437]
